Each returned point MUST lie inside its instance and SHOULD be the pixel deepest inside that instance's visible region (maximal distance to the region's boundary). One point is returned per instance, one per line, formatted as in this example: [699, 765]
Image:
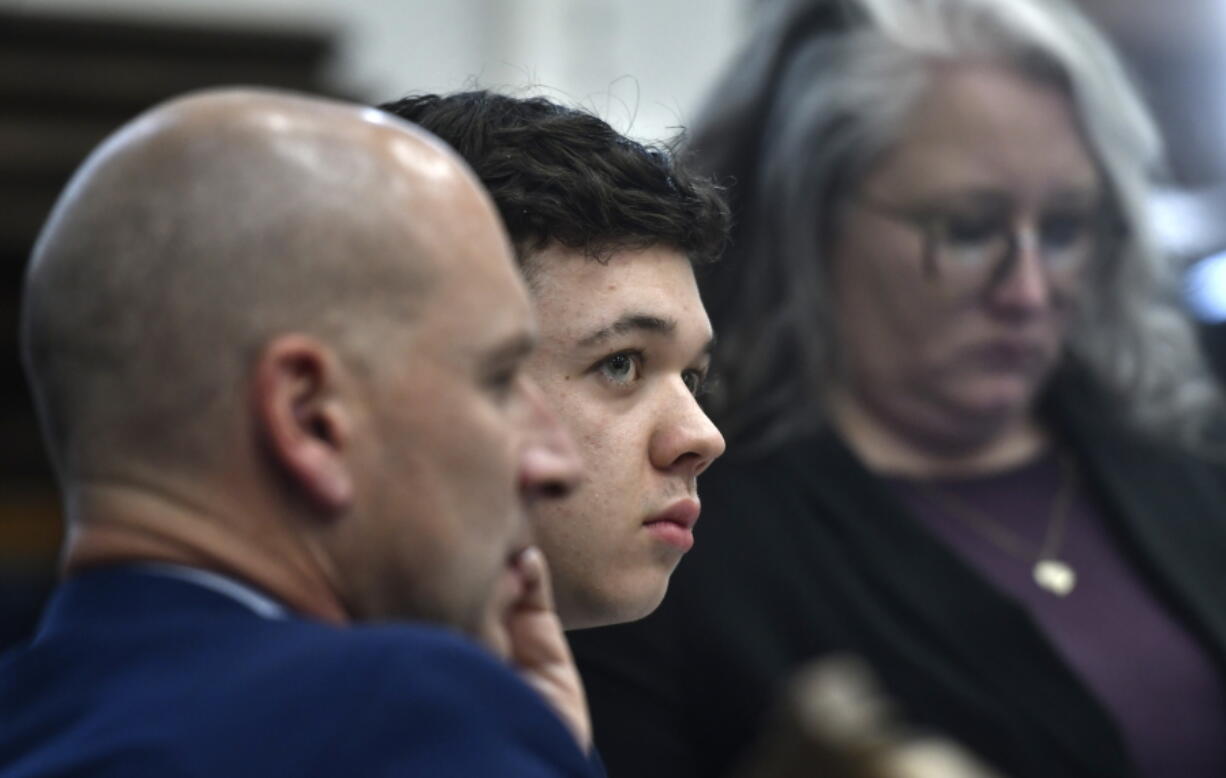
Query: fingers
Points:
[522, 588]
[537, 592]
[538, 648]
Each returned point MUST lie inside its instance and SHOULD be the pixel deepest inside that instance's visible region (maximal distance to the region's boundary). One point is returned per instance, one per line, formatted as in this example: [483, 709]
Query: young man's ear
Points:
[303, 419]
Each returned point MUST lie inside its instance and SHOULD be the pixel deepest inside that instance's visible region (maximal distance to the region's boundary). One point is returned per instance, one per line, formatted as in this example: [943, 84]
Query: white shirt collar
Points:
[241, 593]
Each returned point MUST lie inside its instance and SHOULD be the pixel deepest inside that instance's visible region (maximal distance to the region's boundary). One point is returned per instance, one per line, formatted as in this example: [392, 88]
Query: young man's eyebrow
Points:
[630, 322]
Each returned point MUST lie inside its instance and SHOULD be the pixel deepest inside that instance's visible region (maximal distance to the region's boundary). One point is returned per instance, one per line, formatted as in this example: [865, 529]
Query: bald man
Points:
[276, 347]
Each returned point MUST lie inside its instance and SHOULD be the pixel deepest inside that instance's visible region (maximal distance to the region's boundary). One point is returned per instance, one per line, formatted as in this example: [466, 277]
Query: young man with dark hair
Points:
[606, 231]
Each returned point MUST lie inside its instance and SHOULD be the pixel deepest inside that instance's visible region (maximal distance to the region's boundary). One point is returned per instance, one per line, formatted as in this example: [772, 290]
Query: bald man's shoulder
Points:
[222, 691]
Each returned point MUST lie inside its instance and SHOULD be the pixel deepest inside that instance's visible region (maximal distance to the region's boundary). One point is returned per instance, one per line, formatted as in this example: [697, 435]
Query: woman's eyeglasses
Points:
[978, 245]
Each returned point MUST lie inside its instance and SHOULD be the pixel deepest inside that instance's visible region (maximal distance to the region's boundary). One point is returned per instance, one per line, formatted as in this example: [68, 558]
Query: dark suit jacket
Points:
[802, 552]
[133, 674]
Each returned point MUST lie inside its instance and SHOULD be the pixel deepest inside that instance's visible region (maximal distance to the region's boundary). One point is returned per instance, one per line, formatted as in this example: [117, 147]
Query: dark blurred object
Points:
[29, 536]
[66, 81]
[836, 722]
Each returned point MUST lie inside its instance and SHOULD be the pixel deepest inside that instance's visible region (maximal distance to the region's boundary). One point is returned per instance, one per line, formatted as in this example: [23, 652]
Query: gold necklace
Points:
[1051, 573]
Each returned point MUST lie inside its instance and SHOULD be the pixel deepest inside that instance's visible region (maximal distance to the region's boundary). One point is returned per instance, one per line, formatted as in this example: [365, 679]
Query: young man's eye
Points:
[695, 381]
[622, 368]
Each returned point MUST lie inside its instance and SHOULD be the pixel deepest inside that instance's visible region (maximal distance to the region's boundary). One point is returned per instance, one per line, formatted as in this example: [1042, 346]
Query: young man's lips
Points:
[675, 524]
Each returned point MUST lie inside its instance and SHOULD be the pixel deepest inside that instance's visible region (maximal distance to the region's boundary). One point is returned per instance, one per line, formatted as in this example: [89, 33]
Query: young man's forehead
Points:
[630, 322]
[649, 292]
[544, 262]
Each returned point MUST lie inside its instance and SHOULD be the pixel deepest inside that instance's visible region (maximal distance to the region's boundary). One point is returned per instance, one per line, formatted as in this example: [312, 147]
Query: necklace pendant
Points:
[1054, 576]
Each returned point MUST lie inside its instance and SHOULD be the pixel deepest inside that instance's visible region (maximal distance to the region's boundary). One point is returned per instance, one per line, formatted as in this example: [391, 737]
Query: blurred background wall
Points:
[646, 62]
[72, 70]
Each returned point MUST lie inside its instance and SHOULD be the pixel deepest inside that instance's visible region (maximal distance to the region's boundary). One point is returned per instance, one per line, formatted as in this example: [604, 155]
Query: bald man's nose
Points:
[549, 462]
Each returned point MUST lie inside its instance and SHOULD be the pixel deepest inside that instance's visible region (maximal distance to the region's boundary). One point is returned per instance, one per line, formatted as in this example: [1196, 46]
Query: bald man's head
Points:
[200, 230]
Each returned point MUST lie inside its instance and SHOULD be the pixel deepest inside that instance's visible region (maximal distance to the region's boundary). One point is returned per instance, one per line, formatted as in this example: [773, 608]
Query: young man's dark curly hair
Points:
[561, 175]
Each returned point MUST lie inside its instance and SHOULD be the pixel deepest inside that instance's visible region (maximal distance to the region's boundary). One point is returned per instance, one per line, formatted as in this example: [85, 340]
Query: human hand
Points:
[537, 646]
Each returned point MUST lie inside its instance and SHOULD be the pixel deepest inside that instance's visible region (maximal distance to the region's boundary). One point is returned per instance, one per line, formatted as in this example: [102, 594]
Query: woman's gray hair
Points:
[822, 90]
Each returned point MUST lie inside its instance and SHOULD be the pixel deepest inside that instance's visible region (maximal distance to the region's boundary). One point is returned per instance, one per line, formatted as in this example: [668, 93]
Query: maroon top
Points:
[1125, 644]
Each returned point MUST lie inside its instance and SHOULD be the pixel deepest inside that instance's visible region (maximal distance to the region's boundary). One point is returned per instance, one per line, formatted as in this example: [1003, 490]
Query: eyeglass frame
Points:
[1108, 223]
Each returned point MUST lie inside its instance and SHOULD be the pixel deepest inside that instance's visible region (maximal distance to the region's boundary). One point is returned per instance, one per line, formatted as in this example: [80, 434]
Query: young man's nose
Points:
[685, 438]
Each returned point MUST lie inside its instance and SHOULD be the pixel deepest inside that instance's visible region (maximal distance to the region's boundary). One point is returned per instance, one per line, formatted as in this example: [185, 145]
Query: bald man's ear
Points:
[303, 419]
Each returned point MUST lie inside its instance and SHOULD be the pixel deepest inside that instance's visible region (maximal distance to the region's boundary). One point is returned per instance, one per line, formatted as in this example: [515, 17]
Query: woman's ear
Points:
[302, 417]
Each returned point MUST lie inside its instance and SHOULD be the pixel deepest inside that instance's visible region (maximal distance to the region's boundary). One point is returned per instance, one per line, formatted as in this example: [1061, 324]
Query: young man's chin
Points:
[603, 608]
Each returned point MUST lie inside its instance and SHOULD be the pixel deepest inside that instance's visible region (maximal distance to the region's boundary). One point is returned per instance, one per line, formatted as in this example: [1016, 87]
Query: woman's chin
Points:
[999, 399]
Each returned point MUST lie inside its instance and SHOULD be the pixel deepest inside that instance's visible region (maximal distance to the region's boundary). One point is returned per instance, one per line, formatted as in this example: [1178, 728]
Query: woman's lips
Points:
[1010, 356]
[675, 524]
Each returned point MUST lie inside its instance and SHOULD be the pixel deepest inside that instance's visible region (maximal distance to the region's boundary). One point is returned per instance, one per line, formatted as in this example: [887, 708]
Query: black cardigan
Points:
[803, 552]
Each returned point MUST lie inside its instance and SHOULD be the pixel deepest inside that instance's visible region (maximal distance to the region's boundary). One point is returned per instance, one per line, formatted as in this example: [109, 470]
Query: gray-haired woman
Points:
[966, 418]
